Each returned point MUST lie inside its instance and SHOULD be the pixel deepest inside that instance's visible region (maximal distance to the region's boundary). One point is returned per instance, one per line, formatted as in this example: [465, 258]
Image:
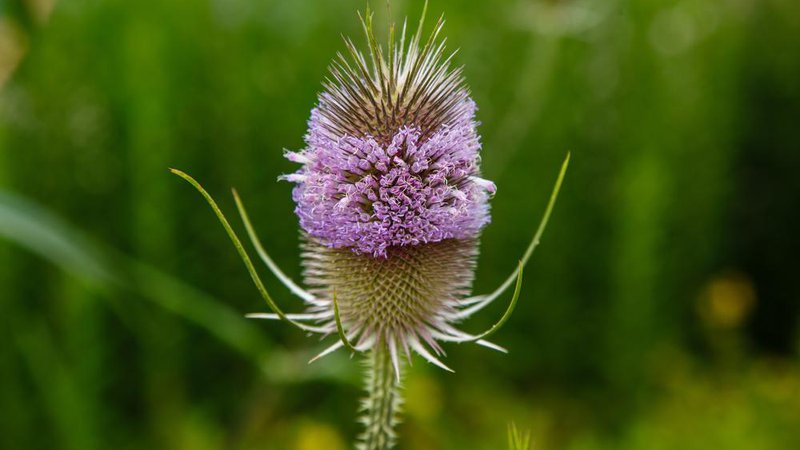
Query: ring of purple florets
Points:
[352, 192]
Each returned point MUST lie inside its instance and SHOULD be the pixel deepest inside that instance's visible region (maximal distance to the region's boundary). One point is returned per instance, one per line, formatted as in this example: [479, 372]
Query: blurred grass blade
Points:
[58, 388]
[518, 440]
[51, 238]
[37, 230]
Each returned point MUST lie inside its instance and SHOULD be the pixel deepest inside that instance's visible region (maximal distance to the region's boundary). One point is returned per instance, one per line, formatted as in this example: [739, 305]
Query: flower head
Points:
[389, 195]
[392, 152]
[357, 193]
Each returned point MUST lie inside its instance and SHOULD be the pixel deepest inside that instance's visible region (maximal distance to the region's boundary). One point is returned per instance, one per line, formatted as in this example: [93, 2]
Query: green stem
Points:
[382, 404]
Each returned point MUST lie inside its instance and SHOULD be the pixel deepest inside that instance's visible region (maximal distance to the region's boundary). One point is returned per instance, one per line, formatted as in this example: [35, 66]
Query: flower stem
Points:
[382, 404]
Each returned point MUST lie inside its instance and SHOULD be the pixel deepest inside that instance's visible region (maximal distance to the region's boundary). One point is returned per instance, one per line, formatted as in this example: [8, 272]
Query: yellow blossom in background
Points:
[727, 300]
[318, 436]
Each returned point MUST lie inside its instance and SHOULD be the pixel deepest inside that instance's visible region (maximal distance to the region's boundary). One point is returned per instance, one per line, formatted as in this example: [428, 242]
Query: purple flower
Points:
[391, 201]
[369, 193]
[392, 152]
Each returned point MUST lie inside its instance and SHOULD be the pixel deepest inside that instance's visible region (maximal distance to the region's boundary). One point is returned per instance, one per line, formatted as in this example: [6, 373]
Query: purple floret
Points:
[352, 192]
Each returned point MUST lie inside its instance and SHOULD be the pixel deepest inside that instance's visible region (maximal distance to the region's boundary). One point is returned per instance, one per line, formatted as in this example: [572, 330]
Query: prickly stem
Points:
[381, 407]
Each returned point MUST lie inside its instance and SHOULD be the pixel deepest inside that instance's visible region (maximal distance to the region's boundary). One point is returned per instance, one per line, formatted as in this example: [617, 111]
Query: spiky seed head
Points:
[389, 195]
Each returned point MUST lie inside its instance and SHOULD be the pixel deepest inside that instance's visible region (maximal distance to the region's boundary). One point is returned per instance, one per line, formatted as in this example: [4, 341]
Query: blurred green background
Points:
[661, 311]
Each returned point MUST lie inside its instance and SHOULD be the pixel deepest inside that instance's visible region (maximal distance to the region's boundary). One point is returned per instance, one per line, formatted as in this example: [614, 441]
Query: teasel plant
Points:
[391, 203]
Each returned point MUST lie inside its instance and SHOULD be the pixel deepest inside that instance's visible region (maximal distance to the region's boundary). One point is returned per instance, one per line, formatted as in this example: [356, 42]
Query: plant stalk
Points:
[382, 404]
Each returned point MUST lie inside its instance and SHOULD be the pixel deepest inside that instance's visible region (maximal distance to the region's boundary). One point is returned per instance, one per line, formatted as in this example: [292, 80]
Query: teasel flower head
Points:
[389, 195]
[391, 203]
[392, 156]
